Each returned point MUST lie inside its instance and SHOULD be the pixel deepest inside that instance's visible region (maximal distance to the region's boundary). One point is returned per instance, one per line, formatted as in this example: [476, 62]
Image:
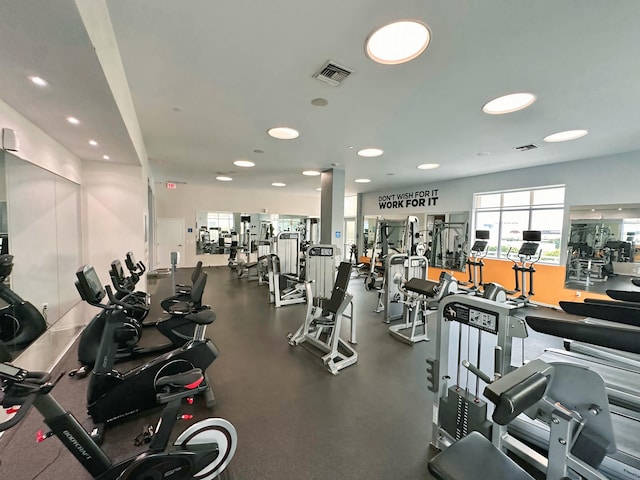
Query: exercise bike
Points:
[202, 451]
[20, 322]
[113, 396]
[176, 328]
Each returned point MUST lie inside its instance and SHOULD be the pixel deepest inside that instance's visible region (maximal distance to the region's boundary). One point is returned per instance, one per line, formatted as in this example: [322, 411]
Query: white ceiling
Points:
[208, 78]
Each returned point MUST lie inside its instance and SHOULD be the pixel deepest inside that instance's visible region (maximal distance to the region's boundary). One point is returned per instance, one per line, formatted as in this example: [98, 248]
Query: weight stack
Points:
[461, 413]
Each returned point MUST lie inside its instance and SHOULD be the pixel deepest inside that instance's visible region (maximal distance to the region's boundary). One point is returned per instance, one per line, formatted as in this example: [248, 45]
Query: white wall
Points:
[38, 148]
[114, 205]
[184, 201]
[595, 181]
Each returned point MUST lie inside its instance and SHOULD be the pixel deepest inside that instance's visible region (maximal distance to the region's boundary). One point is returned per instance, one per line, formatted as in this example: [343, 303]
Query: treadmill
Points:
[622, 384]
[605, 312]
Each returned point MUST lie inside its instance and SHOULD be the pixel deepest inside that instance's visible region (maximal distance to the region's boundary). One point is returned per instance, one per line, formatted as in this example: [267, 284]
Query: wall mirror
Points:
[447, 240]
[40, 228]
[250, 234]
[442, 238]
[603, 249]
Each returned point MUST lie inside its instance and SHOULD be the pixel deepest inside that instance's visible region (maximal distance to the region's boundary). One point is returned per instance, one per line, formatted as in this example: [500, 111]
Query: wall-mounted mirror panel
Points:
[442, 238]
[247, 234]
[40, 229]
[448, 237]
[603, 247]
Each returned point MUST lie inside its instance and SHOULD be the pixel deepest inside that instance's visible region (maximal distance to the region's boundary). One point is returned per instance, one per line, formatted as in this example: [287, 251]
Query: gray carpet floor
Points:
[294, 419]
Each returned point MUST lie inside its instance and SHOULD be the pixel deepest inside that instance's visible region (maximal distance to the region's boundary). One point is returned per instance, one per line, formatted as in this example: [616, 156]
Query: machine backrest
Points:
[196, 272]
[339, 287]
[89, 285]
[197, 290]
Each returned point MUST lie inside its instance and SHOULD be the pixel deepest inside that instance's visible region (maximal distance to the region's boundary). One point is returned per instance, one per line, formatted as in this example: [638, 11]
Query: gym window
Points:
[508, 213]
[222, 221]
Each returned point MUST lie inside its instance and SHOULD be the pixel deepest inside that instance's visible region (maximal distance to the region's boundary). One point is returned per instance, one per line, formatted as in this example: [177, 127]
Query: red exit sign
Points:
[171, 186]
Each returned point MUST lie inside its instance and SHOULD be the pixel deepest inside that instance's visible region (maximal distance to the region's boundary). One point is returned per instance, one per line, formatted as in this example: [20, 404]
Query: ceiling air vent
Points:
[333, 73]
[524, 148]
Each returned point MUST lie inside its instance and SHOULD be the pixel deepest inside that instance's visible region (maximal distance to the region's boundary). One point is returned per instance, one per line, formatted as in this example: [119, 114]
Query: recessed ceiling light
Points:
[244, 163]
[318, 189]
[93, 143]
[106, 157]
[370, 152]
[224, 179]
[73, 120]
[362, 180]
[509, 103]
[398, 42]
[311, 173]
[565, 136]
[279, 184]
[41, 82]
[428, 166]
[283, 133]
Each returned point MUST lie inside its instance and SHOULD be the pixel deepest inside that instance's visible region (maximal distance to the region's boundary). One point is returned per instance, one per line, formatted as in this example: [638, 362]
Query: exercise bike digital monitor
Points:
[88, 284]
[10, 372]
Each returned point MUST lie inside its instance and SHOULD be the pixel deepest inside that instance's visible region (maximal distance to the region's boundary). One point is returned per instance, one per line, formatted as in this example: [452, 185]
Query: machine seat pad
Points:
[428, 288]
[474, 457]
[325, 321]
[203, 317]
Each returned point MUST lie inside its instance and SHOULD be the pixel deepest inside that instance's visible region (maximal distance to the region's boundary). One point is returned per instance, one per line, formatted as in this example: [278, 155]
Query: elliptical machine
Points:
[20, 322]
[201, 452]
[113, 396]
[528, 256]
[475, 262]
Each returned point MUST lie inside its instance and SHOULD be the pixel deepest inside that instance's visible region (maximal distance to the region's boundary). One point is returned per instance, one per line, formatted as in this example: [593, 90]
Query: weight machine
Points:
[283, 269]
[570, 399]
[323, 321]
[390, 235]
[389, 296]
[421, 299]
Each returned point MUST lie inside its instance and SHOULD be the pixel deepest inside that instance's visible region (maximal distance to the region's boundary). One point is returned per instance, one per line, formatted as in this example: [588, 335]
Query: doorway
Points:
[170, 239]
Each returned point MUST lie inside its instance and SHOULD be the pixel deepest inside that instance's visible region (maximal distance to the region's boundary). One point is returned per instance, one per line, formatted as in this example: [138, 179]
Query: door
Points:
[349, 239]
[170, 239]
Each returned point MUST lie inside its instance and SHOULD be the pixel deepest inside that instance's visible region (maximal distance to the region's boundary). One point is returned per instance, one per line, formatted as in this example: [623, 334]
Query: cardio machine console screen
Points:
[475, 317]
[11, 372]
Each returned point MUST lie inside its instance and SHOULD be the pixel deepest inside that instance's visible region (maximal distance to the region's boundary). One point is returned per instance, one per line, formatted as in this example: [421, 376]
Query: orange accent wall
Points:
[548, 281]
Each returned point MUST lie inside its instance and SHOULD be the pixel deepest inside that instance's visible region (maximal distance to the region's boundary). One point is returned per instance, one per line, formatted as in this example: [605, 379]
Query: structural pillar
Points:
[332, 208]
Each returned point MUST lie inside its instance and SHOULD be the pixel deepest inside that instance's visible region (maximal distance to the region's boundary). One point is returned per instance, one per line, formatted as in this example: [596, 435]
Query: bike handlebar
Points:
[23, 393]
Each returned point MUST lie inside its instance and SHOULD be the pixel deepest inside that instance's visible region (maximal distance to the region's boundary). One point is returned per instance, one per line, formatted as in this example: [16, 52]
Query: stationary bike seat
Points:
[203, 317]
[188, 379]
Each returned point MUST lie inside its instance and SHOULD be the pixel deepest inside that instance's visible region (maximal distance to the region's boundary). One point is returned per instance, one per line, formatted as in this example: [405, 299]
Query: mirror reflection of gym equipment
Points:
[603, 251]
[448, 241]
[244, 237]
